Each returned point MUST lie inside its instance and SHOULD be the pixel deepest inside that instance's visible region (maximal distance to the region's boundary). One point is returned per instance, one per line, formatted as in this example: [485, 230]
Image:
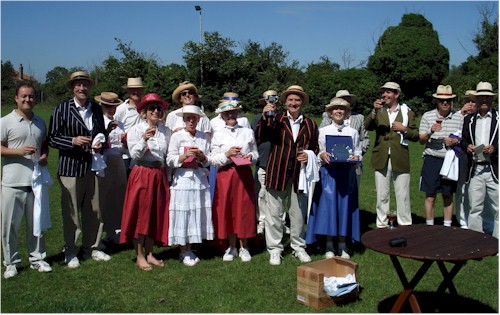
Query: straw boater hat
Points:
[230, 96]
[351, 98]
[294, 89]
[151, 98]
[133, 83]
[186, 85]
[484, 88]
[78, 75]
[108, 98]
[444, 92]
[337, 101]
[190, 109]
[230, 101]
[391, 86]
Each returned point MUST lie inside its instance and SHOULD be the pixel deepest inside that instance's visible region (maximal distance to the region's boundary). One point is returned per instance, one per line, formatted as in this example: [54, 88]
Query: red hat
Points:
[151, 98]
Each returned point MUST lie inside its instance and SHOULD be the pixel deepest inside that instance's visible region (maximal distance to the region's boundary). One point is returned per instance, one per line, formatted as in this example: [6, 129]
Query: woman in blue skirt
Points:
[335, 211]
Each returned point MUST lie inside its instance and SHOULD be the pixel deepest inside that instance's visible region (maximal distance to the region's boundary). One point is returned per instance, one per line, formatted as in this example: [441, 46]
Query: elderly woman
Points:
[114, 182]
[233, 149]
[190, 202]
[186, 94]
[335, 211]
[145, 212]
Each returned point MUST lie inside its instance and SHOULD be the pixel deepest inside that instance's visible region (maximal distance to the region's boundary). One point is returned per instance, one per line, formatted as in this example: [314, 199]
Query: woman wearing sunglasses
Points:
[145, 216]
[186, 94]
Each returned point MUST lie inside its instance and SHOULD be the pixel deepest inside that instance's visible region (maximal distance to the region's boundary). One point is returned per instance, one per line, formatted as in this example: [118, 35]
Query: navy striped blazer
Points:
[66, 123]
[282, 165]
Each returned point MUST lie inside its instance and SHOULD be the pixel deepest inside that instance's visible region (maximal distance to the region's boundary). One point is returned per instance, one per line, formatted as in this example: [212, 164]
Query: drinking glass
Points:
[391, 216]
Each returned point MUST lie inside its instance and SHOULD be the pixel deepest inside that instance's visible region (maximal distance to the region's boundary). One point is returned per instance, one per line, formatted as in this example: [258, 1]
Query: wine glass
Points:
[439, 121]
[391, 216]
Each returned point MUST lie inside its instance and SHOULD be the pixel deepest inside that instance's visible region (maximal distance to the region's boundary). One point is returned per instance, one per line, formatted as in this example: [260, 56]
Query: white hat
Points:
[444, 92]
[133, 83]
[484, 88]
[190, 109]
[337, 101]
[351, 98]
[391, 86]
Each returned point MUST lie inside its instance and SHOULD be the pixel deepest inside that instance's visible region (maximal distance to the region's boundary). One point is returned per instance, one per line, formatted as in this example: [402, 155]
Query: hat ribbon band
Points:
[484, 91]
[230, 98]
[445, 94]
[230, 105]
[108, 100]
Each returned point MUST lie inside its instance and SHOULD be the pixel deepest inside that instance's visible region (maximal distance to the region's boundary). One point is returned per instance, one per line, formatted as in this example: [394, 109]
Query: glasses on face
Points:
[184, 93]
[154, 107]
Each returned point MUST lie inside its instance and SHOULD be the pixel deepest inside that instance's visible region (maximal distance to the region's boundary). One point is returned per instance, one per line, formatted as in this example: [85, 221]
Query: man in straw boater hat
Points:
[73, 126]
[186, 94]
[394, 125]
[112, 186]
[461, 198]
[439, 131]
[293, 138]
[127, 112]
[480, 140]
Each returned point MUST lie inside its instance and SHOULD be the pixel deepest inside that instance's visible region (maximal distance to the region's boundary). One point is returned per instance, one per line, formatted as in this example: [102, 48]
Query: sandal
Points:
[158, 263]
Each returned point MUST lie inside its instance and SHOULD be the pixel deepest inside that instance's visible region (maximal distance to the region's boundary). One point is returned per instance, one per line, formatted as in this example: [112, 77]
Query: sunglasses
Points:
[155, 107]
[184, 93]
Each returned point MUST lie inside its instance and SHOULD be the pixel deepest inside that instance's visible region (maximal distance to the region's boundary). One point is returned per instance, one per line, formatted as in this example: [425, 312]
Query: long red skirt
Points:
[233, 208]
[145, 208]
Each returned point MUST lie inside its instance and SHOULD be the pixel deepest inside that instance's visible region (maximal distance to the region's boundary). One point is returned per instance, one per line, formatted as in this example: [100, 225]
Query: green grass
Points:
[214, 286]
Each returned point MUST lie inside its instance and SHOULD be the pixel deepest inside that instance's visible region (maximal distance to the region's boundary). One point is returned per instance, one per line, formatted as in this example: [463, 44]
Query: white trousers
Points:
[483, 198]
[402, 191]
[296, 203]
[16, 203]
[462, 204]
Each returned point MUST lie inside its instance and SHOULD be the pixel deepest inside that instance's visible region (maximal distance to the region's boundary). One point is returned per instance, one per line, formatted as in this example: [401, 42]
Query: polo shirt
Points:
[451, 125]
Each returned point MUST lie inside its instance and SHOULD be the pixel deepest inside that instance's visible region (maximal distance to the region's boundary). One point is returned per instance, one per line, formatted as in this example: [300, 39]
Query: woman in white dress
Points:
[190, 202]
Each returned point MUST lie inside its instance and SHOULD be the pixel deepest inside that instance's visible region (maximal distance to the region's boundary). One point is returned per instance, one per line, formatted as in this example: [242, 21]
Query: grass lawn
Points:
[214, 286]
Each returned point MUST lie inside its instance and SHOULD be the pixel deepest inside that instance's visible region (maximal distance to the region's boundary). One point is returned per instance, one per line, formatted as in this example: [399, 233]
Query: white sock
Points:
[430, 222]
[447, 223]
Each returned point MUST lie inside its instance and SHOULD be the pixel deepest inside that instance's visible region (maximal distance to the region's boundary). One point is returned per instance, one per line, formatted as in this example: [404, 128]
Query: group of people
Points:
[130, 171]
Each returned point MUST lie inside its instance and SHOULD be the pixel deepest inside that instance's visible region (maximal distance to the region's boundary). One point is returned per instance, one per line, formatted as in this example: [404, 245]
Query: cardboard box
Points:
[310, 282]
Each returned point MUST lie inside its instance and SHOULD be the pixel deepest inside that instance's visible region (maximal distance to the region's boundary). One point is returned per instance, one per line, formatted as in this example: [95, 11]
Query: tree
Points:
[411, 55]
[8, 82]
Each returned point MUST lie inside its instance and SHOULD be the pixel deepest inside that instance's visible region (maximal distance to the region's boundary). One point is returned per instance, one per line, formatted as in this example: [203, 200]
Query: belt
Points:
[150, 164]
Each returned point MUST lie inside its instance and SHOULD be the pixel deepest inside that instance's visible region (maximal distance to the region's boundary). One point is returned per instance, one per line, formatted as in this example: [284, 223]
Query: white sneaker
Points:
[329, 254]
[72, 262]
[275, 259]
[188, 258]
[10, 271]
[41, 266]
[98, 255]
[345, 255]
[245, 255]
[302, 256]
[230, 253]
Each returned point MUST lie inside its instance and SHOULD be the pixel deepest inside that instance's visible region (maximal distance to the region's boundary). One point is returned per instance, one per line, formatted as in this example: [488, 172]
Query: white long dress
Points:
[190, 202]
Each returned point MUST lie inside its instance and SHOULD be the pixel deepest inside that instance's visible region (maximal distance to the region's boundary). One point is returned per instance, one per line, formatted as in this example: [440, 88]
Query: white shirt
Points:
[295, 124]
[225, 138]
[86, 113]
[127, 114]
[393, 115]
[217, 122]
[155, 149]
[114, 139]
[173, 122]
[483, 125]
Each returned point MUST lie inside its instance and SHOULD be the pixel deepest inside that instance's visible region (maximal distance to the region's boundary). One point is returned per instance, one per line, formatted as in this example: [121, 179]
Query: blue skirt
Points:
[335, 209]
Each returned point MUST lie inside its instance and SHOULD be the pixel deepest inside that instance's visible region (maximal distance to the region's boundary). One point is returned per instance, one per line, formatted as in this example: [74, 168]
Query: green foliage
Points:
[8, 82]
[411, 55]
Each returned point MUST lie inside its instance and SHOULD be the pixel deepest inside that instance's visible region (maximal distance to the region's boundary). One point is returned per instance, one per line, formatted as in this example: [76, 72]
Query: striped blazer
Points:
[66, 123]
[282, 165]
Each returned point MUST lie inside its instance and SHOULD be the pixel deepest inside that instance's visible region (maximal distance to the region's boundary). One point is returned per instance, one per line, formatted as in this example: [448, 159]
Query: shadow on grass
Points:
[431, 302]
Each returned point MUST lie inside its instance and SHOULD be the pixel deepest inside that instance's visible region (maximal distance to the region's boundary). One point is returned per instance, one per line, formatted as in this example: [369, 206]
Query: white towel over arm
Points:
[41, 181]
[98, 163]
[309, 175]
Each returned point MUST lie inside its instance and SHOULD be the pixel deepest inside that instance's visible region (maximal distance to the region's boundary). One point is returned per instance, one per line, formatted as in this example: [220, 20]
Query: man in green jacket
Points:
[394, 124]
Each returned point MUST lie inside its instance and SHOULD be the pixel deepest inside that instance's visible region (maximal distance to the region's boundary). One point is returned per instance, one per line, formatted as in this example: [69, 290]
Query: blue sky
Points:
[42, 35]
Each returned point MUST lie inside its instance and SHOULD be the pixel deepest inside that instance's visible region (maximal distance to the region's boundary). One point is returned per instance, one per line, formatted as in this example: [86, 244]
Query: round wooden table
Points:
[429, 244]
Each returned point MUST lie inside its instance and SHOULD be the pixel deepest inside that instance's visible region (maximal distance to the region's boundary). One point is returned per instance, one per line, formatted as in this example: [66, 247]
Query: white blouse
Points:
[155, 149]
[227, 137]
[333, 130]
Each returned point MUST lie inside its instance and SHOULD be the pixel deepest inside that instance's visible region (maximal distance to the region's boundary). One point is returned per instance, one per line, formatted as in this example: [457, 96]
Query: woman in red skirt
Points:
[145, 211]
[233, 150]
